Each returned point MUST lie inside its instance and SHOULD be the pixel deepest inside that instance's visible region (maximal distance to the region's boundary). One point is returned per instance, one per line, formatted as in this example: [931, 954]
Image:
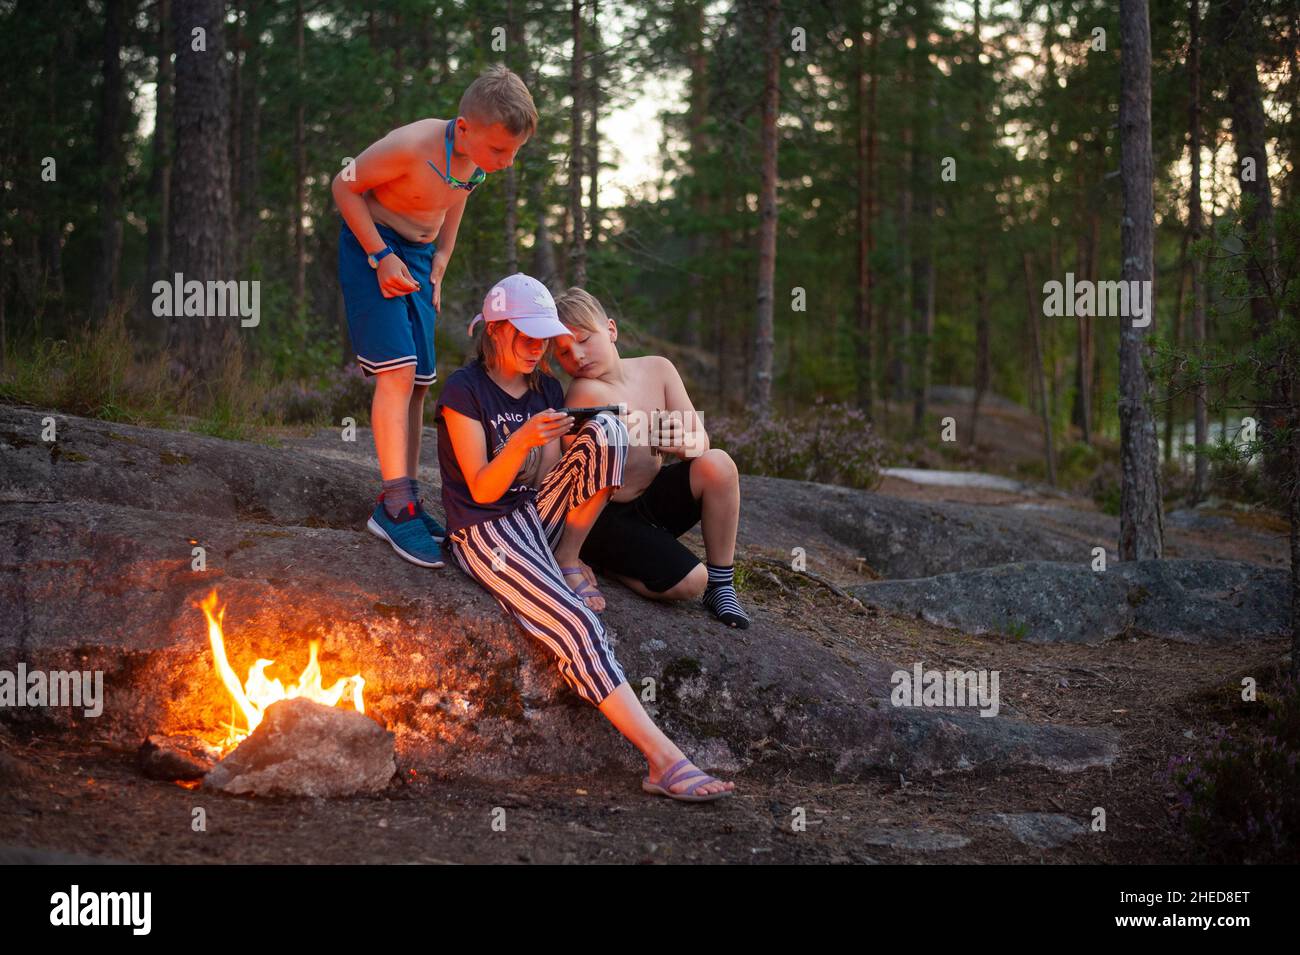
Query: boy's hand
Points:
[394, 279]
[435, 276]
[543, 428]
[670, 436]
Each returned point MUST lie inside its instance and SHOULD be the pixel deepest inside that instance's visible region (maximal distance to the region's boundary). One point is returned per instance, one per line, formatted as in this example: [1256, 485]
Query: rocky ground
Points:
[96, 569]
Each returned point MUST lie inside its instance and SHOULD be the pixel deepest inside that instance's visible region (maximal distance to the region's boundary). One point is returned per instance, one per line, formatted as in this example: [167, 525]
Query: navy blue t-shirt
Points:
[472, 392]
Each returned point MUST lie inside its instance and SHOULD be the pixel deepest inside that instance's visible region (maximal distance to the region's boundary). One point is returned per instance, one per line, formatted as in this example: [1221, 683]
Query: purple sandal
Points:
[585, 589]
[674, 776]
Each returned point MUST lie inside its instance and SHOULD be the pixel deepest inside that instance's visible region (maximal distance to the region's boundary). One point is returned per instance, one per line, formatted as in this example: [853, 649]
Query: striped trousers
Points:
[512, 556]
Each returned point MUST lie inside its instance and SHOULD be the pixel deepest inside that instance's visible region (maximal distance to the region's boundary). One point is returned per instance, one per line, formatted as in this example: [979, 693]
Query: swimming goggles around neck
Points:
[474, 180]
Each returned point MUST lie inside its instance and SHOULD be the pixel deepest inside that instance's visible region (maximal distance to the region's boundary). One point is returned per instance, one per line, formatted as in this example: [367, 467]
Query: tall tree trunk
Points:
[1141, 534]
[1036, 341]
[699, 101]
[200, 219]
[982, 361]
[1093, 357]
[1171, 400]
[924, 174]
[4, 295]
[250, 121]
[160, 175]
[299, 163]
[983, 369]
[923, 278]
[578, 243]
[510, 221]
[597, 60]
[722, 341]
[235, 38]
[760, 391]
[423, 48]
[902, 346]
[1200, 479]
[1082, 411]
[1240, 39]
[866, 156]
[544, 266]
[510, 225]
[48, 251]
[47, 301]
[109, 149]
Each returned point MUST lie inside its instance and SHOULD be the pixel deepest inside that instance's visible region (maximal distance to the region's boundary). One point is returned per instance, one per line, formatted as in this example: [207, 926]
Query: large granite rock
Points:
[461, 686]
[1196, 601]
[178, 472]
[302, 748]
[1041, 830]
[96, 573]
[895, 538]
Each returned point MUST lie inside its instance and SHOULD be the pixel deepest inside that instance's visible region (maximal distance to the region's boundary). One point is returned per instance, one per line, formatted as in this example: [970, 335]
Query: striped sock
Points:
[720, 597]
[397, 494]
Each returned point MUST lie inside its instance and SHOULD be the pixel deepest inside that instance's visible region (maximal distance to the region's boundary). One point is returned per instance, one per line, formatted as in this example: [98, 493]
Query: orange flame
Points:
[255, 694]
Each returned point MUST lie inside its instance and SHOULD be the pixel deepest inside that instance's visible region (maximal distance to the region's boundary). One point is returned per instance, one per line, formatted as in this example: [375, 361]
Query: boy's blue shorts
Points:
[389, 333]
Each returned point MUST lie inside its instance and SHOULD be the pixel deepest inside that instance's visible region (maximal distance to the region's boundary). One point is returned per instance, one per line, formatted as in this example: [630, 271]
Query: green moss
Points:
[1137, 596]
[168, 457]
[1016, 629]
[16, 440]
[683, 668]
[58, 454]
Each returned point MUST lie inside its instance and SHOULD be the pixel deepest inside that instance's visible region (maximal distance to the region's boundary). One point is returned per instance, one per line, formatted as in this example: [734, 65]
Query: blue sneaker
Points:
[407, 534]
[436, 530]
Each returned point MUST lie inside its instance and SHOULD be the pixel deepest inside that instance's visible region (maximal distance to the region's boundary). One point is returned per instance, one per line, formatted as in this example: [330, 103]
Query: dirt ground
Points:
[89, 799]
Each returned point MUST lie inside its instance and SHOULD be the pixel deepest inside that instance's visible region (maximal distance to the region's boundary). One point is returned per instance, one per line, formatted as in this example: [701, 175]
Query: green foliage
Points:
[323, 402]
[1105, 490]
[93, 374]
[828, 443]
[1077, 462]
[1034, 151]
[1239, 796]
[97, 374]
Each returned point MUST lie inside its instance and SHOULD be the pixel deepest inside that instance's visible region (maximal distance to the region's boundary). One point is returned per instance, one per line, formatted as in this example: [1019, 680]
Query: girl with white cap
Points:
[516, 501]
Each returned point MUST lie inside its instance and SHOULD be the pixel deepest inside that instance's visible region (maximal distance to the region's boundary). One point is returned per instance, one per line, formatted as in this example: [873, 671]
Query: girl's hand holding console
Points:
[543, 428]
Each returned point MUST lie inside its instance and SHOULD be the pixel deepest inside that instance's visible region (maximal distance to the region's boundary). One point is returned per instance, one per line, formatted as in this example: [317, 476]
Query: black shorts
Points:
[638, 538]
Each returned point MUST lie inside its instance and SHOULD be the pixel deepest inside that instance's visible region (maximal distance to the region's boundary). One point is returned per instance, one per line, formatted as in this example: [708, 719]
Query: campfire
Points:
[255, 694]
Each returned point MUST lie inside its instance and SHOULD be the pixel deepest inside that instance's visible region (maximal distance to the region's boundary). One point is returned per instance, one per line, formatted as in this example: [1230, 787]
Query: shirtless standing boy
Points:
[635, 536]
[402, 201]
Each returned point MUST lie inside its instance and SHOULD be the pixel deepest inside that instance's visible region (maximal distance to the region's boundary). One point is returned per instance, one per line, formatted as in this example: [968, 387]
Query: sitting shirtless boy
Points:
[635, 537]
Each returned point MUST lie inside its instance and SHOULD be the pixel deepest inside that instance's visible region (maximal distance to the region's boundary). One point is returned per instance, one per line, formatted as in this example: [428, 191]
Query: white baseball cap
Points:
[524, 302]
